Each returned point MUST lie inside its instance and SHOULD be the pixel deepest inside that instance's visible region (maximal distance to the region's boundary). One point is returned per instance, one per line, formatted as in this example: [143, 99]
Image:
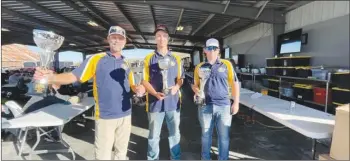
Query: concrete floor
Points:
[248, 140]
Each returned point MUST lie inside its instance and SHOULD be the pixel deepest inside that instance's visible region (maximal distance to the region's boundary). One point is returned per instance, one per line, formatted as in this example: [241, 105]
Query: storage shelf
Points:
[299, 78]
[306, 101]
[250, 74]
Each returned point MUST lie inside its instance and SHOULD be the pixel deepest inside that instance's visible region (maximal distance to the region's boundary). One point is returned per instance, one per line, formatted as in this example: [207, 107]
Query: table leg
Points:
[23, 141]
[38, 136]
[314, 142]
[60, 129]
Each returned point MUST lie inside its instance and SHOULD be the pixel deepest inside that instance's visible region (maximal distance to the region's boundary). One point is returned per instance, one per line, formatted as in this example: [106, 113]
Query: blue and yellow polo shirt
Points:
[152, 74]
[111, 86]
[217, 88]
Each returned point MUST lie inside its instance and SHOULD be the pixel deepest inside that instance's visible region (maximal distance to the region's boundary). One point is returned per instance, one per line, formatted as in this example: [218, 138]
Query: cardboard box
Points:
[325, 157]
[340, 140]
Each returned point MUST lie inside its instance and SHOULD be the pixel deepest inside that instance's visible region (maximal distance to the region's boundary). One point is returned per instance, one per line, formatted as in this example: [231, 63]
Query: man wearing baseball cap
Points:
[217, 111]
[159, 105]
[113, 81]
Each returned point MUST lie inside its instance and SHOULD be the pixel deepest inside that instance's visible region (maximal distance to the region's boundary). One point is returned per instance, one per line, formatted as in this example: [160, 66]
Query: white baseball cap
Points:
[212, 42]
[116, 30]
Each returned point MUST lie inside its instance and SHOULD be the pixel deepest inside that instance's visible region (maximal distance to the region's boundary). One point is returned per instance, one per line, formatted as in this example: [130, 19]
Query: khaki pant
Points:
[109, 133]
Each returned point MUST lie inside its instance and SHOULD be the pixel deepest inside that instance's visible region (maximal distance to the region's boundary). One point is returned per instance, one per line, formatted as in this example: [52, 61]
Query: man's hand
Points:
[160, 96]
[234, 108]
[42, 73]
[56, 86]
[195, 90]
[174, 89]
[140, 90]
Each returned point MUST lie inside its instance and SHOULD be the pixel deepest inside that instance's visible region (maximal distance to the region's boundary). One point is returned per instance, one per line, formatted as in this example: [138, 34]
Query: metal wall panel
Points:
[315, 12]
[308, 14]
[253, 33]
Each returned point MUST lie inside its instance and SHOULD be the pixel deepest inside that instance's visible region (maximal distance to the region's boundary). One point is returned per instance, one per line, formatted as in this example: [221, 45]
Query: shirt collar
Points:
[158, 54]
[218, 61]
[110, 54]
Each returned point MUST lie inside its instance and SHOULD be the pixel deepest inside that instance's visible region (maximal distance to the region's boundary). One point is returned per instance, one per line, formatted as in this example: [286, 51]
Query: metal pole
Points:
[279, 93]
[313, 150]
[327, 87]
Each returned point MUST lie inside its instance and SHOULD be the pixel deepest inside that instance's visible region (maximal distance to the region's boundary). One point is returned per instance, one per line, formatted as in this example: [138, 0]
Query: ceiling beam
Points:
[96, 12]
[178, 36]
[136, 43]
[179, 20]
[262, 8]
[297, 4]
[210, 16]
[153, 16]
[234, 20]
[130, 20]
[87, 14]
[201, 26]
[47, 26]
[102, 22]
[36, 6]
[268, 16]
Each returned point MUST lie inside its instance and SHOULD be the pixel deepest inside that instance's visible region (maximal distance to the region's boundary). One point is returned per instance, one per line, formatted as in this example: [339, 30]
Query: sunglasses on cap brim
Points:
[210, 48]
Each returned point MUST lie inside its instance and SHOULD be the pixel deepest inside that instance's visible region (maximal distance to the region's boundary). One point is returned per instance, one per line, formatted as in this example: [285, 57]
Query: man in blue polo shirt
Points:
[160, 105]
[220, 86]
[111, 87]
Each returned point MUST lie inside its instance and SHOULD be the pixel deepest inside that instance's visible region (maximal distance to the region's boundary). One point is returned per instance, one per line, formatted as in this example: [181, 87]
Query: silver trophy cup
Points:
[138, 78]
[164, 64]
[48, 42]
[204, 74]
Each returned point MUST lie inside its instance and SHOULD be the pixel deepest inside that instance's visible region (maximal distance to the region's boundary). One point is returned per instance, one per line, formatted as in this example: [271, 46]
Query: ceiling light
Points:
[4, 29]
[92, 23]
[179, 28]
[72, 44]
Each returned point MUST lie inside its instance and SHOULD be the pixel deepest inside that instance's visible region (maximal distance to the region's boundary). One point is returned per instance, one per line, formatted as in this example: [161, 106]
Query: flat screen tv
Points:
[290, 42]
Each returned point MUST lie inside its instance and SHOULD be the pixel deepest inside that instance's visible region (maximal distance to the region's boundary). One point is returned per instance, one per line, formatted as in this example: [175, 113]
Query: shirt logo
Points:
[172, 63]
[221, 69]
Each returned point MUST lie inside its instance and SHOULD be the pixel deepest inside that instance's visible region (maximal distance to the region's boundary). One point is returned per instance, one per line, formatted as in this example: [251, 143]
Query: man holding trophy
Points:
[113, 79]
[214, 84]
[163, 77]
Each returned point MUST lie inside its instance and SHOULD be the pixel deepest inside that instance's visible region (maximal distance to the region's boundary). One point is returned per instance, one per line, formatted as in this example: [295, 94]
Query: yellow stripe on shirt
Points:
[90, 67]
[195, 74]
[146, 73]
[230, 73]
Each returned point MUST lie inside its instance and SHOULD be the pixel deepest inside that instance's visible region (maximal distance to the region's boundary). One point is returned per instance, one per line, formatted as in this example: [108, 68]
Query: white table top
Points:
[53, 115]
[305, 120]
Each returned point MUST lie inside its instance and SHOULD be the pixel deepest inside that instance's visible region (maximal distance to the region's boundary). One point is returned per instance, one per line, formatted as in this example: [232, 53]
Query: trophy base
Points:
[37, 89]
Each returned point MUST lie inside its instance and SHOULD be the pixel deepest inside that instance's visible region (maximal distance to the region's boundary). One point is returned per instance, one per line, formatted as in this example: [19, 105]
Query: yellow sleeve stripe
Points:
[179, 66]
[90, 67]
[146, 66]
[195, 74]
[131, 78]
[230, 72]
[146, 73]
